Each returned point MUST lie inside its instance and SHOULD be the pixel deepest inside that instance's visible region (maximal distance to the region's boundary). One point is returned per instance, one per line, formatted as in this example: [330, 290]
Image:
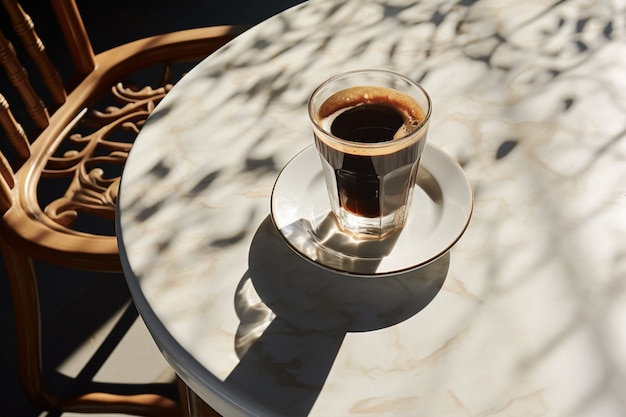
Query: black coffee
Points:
[367, 123]
[371, 184]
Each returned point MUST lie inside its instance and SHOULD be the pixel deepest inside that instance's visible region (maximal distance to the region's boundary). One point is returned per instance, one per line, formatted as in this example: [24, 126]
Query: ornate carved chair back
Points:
[63, 151]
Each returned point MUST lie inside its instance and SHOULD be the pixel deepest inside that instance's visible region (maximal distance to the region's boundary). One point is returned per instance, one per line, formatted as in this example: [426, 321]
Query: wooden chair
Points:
[80, 140]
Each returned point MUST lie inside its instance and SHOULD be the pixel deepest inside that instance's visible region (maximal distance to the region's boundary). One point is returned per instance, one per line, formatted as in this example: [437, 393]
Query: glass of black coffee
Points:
[370, 130]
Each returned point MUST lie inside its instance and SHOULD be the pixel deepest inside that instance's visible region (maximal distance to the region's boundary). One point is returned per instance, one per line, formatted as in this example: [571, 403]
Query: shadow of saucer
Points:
[316, 298]
[294, 316]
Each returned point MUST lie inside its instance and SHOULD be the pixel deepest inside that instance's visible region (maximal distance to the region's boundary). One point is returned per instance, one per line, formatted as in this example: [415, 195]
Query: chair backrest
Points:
[63, 185]
[61, 163]
[24, 58]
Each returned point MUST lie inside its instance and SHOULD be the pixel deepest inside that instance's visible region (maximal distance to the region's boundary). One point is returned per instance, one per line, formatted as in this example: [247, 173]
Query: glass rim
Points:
[371, 145]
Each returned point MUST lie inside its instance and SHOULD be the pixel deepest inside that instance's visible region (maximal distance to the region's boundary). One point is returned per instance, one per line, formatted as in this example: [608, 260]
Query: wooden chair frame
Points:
[29, 231]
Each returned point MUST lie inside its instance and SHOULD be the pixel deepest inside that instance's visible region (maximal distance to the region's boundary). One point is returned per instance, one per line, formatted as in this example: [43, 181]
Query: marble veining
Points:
[523, 317]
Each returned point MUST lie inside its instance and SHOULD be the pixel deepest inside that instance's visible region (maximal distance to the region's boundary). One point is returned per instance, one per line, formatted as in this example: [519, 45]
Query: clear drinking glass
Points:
[370, 130]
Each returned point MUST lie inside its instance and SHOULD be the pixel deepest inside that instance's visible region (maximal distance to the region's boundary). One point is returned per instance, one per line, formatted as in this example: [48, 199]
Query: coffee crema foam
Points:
[412, 114]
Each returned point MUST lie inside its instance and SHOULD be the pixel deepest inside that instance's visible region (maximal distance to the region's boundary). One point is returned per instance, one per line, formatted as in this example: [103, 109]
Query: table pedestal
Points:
[192, 405]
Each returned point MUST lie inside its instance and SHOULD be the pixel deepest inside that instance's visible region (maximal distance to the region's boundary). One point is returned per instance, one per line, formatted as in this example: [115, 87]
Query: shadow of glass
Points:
[294, 316]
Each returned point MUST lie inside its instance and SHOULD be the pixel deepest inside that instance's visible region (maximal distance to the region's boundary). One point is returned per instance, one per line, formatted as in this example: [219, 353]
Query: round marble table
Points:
[524, 316]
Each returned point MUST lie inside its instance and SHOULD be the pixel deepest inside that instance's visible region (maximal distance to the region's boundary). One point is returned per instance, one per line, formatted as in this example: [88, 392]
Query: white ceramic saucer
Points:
[441, 210]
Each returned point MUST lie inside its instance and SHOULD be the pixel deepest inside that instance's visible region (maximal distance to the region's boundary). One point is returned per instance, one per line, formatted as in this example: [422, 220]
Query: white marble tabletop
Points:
[524, 316]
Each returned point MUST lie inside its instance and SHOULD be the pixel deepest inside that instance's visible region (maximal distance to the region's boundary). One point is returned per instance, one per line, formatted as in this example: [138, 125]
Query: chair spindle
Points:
[19, 78]
[75, 35]
[14, 131]
[24, 27]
